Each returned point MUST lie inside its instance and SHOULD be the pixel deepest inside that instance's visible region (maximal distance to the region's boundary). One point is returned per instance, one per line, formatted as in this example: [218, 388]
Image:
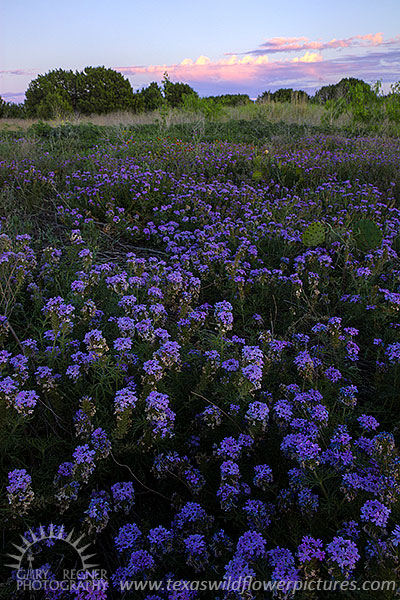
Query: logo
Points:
[33, 571]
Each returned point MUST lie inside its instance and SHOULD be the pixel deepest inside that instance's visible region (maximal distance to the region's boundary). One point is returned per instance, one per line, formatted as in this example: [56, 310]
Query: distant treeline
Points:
[98, 90]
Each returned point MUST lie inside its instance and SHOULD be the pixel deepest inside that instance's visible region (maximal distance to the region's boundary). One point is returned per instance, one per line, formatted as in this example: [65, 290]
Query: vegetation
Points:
[61, 94]
[284, 95]
[149, 98]
[230, 99]
[342, 89]
[94, 90]
[199, 343]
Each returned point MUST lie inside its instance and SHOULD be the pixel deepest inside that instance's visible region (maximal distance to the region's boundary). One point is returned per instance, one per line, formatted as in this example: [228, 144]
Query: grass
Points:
[302, 114]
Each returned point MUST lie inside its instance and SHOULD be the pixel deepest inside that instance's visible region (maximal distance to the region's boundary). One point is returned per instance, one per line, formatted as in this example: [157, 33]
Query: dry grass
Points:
[298, 113]
[301, 113]
[117, 119]
[16, 124]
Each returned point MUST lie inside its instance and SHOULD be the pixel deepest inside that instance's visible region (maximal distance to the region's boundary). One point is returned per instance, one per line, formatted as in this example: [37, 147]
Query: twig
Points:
[15, 336]
[216, 406]
[138, 480]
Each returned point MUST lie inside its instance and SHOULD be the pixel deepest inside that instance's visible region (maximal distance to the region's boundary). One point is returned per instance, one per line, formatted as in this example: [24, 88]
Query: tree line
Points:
[100, 90]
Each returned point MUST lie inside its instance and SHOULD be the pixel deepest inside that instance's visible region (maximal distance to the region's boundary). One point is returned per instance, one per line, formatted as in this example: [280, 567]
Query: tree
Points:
[9, 110]
[102, 90]
[264, 97]
[59, 82]
[343, 89]
[230, 99]
[94, 90]
[15, 111]
[152, 96]
[54, 106]
[392, 103]
[284, 95]
[174, 92]
[138, 105]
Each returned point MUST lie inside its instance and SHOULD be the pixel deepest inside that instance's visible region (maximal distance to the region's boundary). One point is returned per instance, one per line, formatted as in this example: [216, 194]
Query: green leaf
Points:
[367, 235]
[257, 175]
[396, 244]
[314, 235]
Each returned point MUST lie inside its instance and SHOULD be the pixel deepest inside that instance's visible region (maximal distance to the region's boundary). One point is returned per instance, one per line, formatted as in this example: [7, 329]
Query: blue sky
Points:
[216, 46]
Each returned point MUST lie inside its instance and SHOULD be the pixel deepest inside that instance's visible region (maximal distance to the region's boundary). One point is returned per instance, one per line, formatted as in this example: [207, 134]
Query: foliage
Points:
[174, 92]
[230, 99]
[284, 95]
[209, 107]
[366, 105]
[314, 235]
[41, 130]
[58, 84]
[11, 110]
[341, 90]
[392, 103]
[3, 105]
[368, 235]
[94, 90]
[150, 98]
[102, 90]
[192, 357]
[55, 105]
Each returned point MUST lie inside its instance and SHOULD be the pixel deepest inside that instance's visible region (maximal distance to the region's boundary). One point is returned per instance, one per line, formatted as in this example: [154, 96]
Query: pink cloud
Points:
[302, 64]
[308, 69]
[234, 68]
[292, 44]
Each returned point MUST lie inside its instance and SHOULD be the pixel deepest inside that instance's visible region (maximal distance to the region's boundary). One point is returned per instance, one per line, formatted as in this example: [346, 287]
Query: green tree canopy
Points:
[152, 96]
[231, 99]
[342, 89]
[58, 85]
[9, 110]
[93, 90]
[174, 92]
[102, 90]
[284, 95]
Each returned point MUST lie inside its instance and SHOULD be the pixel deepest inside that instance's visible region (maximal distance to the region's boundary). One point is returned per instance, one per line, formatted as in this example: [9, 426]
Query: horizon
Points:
[258, 48]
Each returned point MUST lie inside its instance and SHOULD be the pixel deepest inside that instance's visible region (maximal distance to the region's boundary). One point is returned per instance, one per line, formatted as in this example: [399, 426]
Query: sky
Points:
[217, 46]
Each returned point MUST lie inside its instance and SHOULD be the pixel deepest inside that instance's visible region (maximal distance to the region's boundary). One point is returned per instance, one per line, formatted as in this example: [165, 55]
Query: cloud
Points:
[19, 72]
[230, 69]
[15, 97]
[368, 57]
[309, 57]
[278, 62]
[294, 44]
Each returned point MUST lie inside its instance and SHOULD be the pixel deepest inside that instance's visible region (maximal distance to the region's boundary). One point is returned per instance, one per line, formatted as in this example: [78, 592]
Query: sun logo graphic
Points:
[29, 576]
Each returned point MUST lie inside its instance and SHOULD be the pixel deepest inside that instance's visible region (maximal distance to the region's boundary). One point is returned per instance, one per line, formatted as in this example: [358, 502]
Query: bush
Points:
[392, 103]
[149, 98]
[284, 95]
[342, 89]
[94, 90]
[174, 92]
[230, 99]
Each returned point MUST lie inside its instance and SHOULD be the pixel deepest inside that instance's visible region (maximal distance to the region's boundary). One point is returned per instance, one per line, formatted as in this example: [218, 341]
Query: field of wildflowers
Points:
[191, 375]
